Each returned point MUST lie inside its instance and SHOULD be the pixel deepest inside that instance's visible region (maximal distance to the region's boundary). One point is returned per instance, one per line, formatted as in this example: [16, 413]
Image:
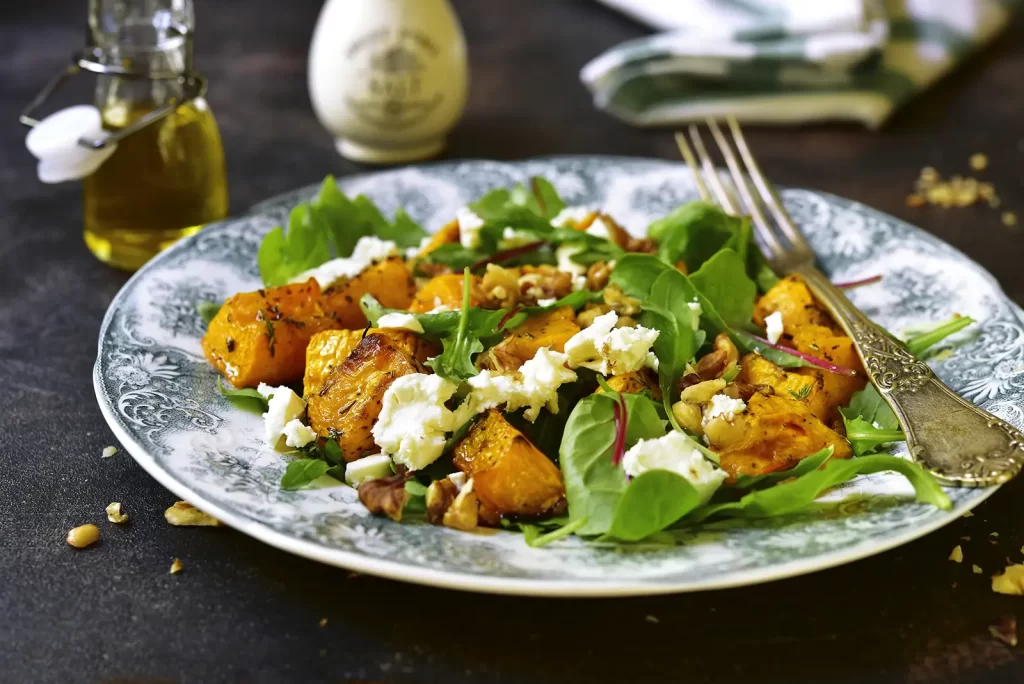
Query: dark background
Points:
[242, 611]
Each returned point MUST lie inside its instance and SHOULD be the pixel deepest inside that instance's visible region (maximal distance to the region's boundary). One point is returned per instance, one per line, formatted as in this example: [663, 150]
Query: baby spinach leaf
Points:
[207, 310]
[246, 399]
[283, 256]
[593, 484]
[805, 465]
[301, 472]
[692, 233]
[723, 281]
[919, 344]
[869, 405]
[788, 497]
[635, 274]
[668, 313]
[870, 423]
[651, 502]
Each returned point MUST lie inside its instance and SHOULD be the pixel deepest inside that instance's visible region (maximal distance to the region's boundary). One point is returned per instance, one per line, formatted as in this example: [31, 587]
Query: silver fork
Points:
[955, 440]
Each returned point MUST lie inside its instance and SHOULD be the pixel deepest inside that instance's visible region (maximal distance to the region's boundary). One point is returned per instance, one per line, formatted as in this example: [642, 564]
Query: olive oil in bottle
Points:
[167, 179]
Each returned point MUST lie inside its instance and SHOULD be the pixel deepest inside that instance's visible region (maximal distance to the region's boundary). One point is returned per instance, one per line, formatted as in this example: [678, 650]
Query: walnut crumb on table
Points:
[83, 536]
[184, 514]
[116, 514]
[175, 566]
[323, 622]
[1011, 581]
[957, 555]
[108, 451]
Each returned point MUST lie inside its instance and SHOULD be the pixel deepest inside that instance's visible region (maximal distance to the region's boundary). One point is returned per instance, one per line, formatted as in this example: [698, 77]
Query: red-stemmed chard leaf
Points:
[621, 421]
[813, 360]
[506, 255]
[507, 317]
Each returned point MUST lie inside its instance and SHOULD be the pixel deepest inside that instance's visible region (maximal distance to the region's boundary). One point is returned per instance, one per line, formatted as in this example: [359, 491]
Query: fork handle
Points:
[952, 438]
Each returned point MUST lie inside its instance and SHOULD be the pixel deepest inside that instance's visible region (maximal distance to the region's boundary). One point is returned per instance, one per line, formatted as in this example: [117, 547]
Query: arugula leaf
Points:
[919, 344]
[696, 231]
[867, 410]
[535, 537]
[301, 472]
[804, 466]
[865, 438]
[207, 310]
[788, 497]
[652, 501]
[593, 485]
[723, 281]
[869, 405]
[456, 361]
[248, 400]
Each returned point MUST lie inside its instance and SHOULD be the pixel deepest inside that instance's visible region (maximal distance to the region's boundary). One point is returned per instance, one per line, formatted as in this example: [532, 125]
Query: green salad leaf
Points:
[651, 502]
[723, 281]
[593, 484]
[328, 227]
[456, 361]
[247, 399]
[301, 472]
[788, 497]
[207, 310]
[870, 423]
[806, 465]
[922, 342]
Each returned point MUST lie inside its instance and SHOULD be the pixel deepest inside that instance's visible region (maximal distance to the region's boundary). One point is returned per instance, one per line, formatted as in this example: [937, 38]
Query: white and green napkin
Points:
[785, 61]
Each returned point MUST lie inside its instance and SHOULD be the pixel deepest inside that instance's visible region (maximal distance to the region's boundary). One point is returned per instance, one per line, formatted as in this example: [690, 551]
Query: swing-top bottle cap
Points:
[54, 141]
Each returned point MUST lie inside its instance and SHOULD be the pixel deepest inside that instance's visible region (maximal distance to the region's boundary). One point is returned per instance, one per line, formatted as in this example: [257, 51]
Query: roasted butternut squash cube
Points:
[448, 233]
[261, 336]
[549, 329]
[836, 348]
[389, 281]
[329, 348]
[793, 299]
[635, 383]
[446, 290]
[806, 389]
[511, 477]
[349, 401]
[773, 434]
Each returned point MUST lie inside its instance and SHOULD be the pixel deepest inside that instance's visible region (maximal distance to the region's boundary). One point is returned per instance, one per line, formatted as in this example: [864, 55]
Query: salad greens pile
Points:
[588, 435]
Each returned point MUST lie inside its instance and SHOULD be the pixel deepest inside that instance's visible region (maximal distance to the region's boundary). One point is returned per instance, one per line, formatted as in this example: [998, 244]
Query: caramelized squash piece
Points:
[771, 435]
[261, 336]
[635, 383]
[329, 348]
[793, 299]
[446, 290]
[349, 401]
[511, 477]
[389, 281]
[788, 384]
[618, 234]
[448, 233]
[549, 329]
[836, 348]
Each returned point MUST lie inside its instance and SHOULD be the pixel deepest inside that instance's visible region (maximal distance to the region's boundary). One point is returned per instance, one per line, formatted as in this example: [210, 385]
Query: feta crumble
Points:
[414, 422]
[230, 370]
[599, 228]
[696, 312]
[405, 321]
[570, 216]
[773, 327]
[546, 302]
[512, 238]
[564, 254]
[469, 227]
[609, 350]
[367, 468]
[284, 407]
[674, 452]
[297, 434]
[368, 251]
[413, 252]
[723, 406]
[535, 386]
[440, 308]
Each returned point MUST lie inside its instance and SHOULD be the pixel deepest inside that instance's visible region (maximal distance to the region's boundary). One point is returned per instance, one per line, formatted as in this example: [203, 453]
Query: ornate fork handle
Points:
[955, 440]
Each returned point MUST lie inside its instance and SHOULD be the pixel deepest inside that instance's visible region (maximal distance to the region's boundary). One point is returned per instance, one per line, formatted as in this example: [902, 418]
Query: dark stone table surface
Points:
[245, 612]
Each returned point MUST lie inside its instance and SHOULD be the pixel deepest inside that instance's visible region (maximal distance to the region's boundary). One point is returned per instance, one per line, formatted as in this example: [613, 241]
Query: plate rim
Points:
[464, 581]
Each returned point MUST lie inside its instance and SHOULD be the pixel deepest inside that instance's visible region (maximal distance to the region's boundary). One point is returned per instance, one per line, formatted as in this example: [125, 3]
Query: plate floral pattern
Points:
[160, 397]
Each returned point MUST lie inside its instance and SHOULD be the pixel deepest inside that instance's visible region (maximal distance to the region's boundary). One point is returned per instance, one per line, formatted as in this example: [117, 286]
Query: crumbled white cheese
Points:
[458, 479]
[297, 434]
[675, 452]
[579, 282]
[284, 407]
[609, 350]
[723, 406]
[535, 386]
[469, 227]
[546, 302]
[368, 251]
[652, 362]
[570, 216]
[440, 308]
[773, 326]
[400, 320]
[599, 228]
[414, 422]
[512, 238]
[231, 371]
[695, 314]
[564, 254]
[367, 468]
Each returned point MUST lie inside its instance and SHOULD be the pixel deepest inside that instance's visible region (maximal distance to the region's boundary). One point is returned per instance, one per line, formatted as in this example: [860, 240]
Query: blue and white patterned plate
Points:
[160, 396]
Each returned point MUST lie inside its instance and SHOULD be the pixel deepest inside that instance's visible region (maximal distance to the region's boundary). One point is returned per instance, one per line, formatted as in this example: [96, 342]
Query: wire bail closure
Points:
[193, 86]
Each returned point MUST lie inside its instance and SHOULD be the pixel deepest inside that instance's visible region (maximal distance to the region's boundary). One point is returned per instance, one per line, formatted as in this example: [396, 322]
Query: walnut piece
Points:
[385, 496]
[1010, 582]
[116, 514]
[175, 566]
[184, 514]
[83, 536]
[957, 555]
[440, 496]
[108, 451]
[464, 512]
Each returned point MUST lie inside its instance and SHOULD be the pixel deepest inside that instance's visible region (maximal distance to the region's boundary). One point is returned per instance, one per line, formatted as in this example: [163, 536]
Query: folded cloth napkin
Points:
[785, 61]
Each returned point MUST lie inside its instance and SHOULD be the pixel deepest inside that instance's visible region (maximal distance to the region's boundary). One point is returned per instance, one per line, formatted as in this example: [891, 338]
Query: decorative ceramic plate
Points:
[161, 400]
